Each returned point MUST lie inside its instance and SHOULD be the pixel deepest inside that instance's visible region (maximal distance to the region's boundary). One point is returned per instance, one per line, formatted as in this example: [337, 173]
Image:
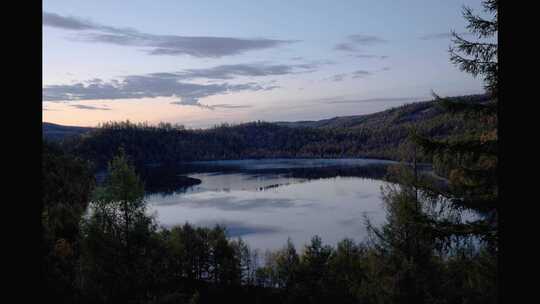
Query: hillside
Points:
[412, 112]
[55, 132]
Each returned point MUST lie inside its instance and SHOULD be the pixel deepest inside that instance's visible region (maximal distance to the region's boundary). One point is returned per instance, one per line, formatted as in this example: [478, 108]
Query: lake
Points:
[267, 201]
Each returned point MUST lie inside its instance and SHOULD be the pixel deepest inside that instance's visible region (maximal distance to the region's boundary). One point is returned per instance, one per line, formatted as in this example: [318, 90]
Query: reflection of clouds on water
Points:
[233, 203]
[233, 228]
[361, 221]
[351, 221]
[240, 228]
[266, 208]
[260, 177]
[364, 195]
[228, 182]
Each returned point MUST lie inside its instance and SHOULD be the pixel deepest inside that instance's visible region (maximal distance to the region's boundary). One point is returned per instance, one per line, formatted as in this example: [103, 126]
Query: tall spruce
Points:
[479, 57]
[469, 162]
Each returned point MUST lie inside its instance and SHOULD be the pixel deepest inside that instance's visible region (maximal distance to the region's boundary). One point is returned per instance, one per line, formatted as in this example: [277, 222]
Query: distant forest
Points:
[379, 135]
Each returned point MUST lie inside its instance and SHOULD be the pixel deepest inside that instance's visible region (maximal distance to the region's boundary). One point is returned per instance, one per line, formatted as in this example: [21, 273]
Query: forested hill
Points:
[412, 112]
[377, 135]
[56, 132]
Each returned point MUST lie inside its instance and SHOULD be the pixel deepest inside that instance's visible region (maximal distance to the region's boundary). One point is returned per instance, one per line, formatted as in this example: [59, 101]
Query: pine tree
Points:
[479, 57]
[470, 161]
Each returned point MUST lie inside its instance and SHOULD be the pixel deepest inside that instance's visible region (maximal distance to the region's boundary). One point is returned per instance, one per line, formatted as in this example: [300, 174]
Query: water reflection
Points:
[241, 229]
[254, 174]
[269, 202]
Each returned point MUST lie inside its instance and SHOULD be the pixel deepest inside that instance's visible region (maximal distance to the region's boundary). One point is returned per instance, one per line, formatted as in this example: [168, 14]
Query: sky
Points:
[202, 63]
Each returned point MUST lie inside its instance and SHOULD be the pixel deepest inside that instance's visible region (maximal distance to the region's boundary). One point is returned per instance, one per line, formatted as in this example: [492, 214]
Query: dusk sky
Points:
[201, 63]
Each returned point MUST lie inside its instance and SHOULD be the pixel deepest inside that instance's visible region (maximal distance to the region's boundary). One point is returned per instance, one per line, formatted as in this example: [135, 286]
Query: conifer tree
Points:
[470, 161]
[479, 57]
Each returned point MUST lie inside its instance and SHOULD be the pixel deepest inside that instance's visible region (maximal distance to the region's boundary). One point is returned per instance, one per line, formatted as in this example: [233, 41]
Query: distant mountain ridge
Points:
[56, 132]
[379, 135]
[409, 112]
[417, 111]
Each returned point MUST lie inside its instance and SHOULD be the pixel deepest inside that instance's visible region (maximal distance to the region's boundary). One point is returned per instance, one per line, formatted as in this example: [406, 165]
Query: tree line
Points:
[380, 136]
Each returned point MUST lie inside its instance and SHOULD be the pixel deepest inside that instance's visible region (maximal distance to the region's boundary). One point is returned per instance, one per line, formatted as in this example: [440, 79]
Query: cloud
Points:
[355, 74]
[86, 107]
[348, 47]
[268, 88]
[229, 106]
[369, 56]
[231, 71]
[174, 84]
[354, 41]
[201, 46]
[142, 86]
[339, 100]
[338, 77]
[68, 23]
[361, 73]
[361, 39]
[445, 35]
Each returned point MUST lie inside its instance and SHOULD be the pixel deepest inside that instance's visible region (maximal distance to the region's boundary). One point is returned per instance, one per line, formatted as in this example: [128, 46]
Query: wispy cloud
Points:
[142, 86]
[362, 39]
[369, 56]
[231, 71]
[68, 23]
[340, 100]
[86, 107]
[201, 46]
[354, 42]
[348, 47]
[229, 106]
[49, 109]
[338, 77]
[354, 75]
[174, 84]
[361, 73]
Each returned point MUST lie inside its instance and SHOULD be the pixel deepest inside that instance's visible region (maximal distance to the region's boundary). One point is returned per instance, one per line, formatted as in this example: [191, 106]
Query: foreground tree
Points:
[469, 163]
[406, 257]
[119, 238]
[67, 184]
[479, 57]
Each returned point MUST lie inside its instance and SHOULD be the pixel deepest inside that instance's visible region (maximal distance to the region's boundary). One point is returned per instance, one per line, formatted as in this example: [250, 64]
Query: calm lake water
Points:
[267, 201]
